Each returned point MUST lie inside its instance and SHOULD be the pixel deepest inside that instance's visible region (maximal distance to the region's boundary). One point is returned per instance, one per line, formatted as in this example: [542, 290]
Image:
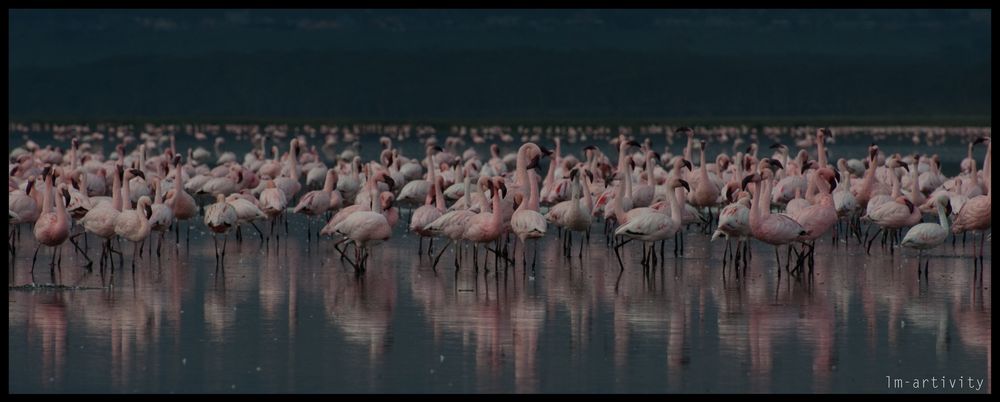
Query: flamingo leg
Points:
[72, 239]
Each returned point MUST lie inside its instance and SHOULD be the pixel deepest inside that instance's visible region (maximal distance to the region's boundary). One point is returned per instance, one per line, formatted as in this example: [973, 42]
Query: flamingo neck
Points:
[328, 185]
[943, 218]
[533, 193]
[438, 195]
[47, 196]
[116, 192]
[895, 184]
[521, 167]
[821, 152]
[496, 207]
[467, 188]
[126, 196]
[649, 171]
[616, 205]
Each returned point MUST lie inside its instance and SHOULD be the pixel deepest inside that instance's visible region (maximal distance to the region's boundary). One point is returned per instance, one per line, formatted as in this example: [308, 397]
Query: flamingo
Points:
[705, 193]
[773, 229]
[52, 227]
[975, 214]
[220, 217]
[487, 226]
[573, 215]
[365, 229]
[133, 224]
[433, 208]
[273, 202]
[453, 223]
[734, 222]
[100, 220]
[162, 216]
[317, 202]
[527, 222]
[929, 235]
[181, 202]
[649, 225]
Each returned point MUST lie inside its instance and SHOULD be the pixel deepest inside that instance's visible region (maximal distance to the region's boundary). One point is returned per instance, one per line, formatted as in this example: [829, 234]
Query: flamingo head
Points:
[387, 200]
[680, 183]
[686, 163]
[146, 203]
[831, 176]
[904, 201]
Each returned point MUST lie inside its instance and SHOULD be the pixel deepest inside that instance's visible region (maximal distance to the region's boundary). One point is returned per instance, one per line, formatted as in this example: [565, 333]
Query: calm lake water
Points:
[290, 316]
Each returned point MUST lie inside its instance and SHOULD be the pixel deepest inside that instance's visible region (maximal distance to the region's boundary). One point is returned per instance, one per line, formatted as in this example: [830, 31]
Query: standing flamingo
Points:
[220, 218]
[773, 229]
[52, 226]
[527, 222]
[928, 235]
[365, 229]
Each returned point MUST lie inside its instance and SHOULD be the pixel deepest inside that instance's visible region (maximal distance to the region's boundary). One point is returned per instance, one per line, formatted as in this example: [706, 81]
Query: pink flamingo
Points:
[100, 220]
[818, 218]
[453, 224]
[317, 202]
[220, 217]
[975, 214]
[773, 229]
[133, 224]
[365, 229]
[181, 202]
[52, 227]
[485, 227]
[273, 202]
[705, 193]
[162, 216]
[527, 222]
[433, 208]
[928, 235]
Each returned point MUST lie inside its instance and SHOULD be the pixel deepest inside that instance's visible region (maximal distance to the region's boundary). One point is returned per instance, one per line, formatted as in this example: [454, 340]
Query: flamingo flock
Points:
[499, 202]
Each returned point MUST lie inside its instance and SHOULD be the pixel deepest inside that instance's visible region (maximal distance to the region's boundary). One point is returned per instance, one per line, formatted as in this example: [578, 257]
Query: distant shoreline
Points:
[937, 121]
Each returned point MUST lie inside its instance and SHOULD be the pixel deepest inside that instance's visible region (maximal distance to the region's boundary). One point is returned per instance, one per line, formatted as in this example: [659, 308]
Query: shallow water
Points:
[290, 316]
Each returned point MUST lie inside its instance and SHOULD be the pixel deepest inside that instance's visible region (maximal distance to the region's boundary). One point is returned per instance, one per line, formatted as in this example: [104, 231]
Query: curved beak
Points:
[775, 163]
[685, 184]
[747, 179]
[503, 190]
[388, 180]
[137, 172]
[980, 140]
[534, 162]
[545, 151]
[909, 205]
[905, 167]
[590, 175]
[834, 180]
[687, 164]
[948, 208]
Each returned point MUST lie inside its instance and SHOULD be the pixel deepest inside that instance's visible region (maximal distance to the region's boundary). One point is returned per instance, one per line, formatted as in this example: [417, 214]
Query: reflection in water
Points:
[291, 317]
